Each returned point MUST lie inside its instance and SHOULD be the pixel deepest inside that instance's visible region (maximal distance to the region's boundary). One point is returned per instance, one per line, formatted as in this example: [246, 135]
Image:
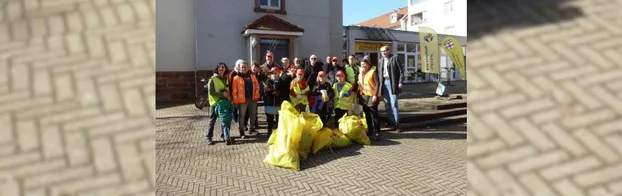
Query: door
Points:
[280, 48]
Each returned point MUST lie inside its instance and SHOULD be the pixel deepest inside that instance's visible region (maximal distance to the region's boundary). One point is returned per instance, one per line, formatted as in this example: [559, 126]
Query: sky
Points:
[356, 11]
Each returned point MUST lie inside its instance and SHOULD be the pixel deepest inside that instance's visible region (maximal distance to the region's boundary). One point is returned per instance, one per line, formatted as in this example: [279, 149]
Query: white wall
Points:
[221, 23]
[175, 43]
[437, 19]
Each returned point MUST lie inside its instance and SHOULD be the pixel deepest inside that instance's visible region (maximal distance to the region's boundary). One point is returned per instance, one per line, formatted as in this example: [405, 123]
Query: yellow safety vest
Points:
[219, 87]
[296, 101]
[343, 103]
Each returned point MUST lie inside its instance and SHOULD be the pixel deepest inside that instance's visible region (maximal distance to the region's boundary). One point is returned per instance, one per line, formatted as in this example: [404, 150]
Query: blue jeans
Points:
[226, 126]
[390, 103]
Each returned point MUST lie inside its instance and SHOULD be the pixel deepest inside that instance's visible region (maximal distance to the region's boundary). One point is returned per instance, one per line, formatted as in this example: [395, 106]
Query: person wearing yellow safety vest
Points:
[298, 91]
[217, 88]
[343, 96]
[369, 88]
[322, 93]
[245, 92]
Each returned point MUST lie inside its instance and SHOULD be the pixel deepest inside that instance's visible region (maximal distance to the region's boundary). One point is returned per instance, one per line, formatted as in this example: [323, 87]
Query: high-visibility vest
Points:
[350, 73]
[343, 103]
[298, 91]
[239, 93]
[219, 87]
[367, 83]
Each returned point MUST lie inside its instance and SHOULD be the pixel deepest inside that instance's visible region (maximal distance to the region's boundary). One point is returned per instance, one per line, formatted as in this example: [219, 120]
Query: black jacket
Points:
[396, 73]
[311, 73]
[274, 94]
[283, 86]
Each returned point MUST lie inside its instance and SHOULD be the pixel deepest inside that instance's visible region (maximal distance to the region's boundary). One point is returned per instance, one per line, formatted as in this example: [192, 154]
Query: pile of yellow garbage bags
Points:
[299, 134]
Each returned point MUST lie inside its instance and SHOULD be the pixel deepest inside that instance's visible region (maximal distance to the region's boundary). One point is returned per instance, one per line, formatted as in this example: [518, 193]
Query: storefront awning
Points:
[378, 34]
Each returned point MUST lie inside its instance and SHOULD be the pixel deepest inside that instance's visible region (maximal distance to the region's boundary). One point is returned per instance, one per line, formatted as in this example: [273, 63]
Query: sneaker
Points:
[243, 137]
[228, 142]
[209, 141]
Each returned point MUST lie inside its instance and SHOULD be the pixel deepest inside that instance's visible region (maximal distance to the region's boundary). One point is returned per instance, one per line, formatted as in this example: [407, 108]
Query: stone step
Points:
[436, 122]
[410, 116]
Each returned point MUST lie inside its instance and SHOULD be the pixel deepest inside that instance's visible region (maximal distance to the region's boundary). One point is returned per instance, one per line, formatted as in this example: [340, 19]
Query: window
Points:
[393, 18]
[449, 6]
[270, 6]
[449, 30]
[415, 19]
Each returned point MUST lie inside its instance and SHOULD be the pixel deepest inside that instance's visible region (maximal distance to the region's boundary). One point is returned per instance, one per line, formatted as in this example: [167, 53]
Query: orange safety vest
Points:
[367, 84]
[238, 91]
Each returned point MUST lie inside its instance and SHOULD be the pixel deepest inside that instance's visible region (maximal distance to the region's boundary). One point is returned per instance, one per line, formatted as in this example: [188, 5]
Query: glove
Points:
[344, 94]
[268, 89]
[275, 92]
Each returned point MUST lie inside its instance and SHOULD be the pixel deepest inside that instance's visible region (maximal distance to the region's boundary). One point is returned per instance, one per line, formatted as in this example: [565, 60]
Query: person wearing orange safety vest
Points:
[298, 91]
[343, 96]
[369, 88]
[245, 93]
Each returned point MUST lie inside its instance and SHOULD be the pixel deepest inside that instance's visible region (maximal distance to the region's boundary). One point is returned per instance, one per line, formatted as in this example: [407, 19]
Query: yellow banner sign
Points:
[453, 48]
[369, 46]
[429, 51]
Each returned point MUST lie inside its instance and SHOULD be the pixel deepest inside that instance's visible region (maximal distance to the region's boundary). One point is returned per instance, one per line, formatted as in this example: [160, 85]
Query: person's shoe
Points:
[209, 141]
[253, 132]
[229, 141]
[243, 137]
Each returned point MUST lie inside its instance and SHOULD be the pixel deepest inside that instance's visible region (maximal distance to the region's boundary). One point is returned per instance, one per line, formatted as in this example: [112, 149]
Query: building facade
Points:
[362, 41]
[194, 35]
[444, 16]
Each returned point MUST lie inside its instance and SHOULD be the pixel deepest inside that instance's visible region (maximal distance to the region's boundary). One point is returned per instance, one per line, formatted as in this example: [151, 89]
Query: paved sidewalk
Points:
[420, 162]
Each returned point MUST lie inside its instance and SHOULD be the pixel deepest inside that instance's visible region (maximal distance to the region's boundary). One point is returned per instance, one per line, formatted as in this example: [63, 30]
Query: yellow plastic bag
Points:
[340, 142]
[286, 106]
[285, 140]
[353, 128]
[321, 139]
[311, 123]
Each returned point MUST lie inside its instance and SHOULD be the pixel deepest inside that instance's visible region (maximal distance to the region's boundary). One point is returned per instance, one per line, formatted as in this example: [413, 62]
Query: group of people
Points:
[320, 88]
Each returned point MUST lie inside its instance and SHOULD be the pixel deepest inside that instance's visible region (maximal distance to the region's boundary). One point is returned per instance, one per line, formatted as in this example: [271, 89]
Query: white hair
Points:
[239, 62]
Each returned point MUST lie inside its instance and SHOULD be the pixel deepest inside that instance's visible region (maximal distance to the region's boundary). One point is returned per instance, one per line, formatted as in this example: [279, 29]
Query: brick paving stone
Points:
[555, 115]
[426, 158]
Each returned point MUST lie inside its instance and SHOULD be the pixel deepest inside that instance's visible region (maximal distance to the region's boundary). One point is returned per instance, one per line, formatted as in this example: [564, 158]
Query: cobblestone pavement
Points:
[77, 97]
[426, 162]
[544, 97]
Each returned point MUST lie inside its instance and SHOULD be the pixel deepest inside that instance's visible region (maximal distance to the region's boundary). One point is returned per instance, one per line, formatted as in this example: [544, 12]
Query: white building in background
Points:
[444, 16]
[399, 29]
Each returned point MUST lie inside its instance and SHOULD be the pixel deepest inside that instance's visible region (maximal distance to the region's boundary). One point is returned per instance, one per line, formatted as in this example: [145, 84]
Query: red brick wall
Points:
[179, 86]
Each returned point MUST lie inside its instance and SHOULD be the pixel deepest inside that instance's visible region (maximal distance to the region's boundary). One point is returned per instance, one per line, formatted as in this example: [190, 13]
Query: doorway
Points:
[279, 47]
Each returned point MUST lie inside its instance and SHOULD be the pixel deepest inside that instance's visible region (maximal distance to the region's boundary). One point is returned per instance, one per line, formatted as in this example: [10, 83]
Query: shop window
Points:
[400, 47]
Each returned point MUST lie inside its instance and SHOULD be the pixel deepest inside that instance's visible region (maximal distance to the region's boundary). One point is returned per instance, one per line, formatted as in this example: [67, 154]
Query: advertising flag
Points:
[430, 59]
[453, 48]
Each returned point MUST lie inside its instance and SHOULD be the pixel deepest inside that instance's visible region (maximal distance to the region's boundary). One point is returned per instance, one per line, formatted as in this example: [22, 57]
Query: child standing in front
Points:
[343, 99]
[224, 109]
[298, 91]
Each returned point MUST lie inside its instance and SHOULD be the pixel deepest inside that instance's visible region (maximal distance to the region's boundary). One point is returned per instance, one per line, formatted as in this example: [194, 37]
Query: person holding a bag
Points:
[298, 91]
[369, 88]
[323, 94]
[343, 93]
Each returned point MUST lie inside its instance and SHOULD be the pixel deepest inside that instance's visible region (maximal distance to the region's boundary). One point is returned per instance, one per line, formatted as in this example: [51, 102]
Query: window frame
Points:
[270, 9]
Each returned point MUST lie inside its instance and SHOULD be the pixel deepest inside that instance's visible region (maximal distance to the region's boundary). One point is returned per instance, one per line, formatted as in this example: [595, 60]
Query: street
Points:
[418, 162]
